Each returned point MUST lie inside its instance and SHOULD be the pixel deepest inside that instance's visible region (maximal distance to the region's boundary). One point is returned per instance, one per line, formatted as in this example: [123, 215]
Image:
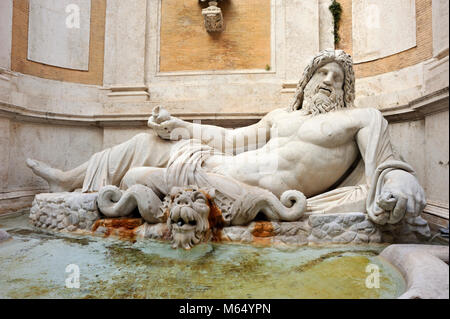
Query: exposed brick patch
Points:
[185, 45]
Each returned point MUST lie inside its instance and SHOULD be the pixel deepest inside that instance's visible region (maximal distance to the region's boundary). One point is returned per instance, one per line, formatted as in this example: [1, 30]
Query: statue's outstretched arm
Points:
[225, 140]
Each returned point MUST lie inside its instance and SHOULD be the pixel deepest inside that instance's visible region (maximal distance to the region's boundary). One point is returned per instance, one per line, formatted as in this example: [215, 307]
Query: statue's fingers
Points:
[419, 206]
[387, 201]
[321, 109]
[411, 205]
[152, 124]
[156, 109]
[422, 200]
[399, 211]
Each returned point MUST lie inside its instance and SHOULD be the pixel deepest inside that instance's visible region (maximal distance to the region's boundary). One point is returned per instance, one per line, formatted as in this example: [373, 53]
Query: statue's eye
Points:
[200, 200]
[198, 197]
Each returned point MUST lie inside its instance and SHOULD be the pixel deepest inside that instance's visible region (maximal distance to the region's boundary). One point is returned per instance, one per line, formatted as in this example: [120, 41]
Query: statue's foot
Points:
[53, 176]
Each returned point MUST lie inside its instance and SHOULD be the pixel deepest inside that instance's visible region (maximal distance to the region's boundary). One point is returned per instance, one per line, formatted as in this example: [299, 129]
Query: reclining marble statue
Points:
[320, 155]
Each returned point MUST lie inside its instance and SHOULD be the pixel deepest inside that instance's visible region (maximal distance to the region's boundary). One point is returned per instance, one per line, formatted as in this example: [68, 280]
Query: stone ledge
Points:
[425, 268]
[419, 108]
[231, 120]
[4, 236]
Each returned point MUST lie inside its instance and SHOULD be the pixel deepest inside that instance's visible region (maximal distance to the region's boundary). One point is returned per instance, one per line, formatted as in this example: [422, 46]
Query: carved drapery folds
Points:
[213, 17]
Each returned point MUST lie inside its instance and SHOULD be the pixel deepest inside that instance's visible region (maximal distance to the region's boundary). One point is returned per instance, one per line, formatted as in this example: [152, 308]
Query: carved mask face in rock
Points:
[324, 92]
[188, 218]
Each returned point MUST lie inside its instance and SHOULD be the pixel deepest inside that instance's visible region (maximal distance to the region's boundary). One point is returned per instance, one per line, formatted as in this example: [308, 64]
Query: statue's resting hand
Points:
[401, 196]
[167, 127]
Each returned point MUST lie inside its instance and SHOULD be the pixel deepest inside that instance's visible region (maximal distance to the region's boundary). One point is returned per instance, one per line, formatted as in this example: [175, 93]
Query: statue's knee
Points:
[132, 177]
[138, 175]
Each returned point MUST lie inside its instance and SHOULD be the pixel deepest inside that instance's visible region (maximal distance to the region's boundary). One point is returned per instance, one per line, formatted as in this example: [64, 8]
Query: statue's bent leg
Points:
[108, 166]
[152, 177]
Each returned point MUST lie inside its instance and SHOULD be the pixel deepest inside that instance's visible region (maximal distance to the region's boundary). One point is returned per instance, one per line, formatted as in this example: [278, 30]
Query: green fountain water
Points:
[33, 265]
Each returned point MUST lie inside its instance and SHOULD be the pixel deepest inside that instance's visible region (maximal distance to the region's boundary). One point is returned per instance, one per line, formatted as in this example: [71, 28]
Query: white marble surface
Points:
[437, 160]
[5, 33]
[326, 25]
[440, 26]
[302, 35]
[382, 28]
[425, 268]
[51, 41]
[125, 29]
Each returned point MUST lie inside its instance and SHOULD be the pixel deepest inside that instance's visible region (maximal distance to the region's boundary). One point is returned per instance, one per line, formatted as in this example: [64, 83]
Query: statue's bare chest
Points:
[327, 130]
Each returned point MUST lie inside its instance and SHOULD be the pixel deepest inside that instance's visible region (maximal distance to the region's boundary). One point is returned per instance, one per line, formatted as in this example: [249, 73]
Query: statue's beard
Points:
[319, 102]
[187, 240]
[188, 226]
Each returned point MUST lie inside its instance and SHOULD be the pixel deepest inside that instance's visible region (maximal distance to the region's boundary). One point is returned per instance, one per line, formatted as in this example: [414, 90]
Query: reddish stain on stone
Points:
[123, 228]
[263, 229]
[215, 219]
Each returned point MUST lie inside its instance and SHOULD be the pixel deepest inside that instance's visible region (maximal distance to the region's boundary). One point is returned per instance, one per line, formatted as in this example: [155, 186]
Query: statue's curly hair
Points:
[324, 57]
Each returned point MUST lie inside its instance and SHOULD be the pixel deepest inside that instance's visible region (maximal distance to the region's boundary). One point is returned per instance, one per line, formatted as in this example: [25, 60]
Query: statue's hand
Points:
[159, 115]
[167, 127]
[401, 196]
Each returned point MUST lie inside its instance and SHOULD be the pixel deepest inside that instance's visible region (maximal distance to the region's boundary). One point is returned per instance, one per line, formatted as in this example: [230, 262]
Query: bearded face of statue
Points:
[324, 92]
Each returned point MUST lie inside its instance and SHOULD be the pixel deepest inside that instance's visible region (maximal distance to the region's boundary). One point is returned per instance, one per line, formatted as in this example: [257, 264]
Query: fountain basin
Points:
[33, 265]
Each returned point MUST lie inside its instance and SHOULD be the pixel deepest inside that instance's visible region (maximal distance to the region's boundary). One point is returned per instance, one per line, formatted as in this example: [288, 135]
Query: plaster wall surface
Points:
[440, 26]
[5, 33]
[64, 147]
[326, 25]
[437, 158]
[409, 145]
[125, 42]
[381, 28]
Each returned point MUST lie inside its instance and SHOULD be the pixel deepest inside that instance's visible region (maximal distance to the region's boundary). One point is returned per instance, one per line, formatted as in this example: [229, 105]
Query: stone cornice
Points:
[420, 108]
[27, 115]
[415, 110]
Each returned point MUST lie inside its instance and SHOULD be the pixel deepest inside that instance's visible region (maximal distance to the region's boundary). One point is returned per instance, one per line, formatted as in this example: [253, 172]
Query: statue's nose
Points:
[328, 79]
[183, 201]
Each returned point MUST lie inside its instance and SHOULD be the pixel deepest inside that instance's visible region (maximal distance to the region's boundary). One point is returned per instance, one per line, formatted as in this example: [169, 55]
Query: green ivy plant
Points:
[336, 11]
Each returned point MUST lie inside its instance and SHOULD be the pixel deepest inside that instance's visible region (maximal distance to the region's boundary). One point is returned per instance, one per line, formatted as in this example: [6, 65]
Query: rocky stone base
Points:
[75, 212]
[65, 211]
[4, 236]
[343, 228]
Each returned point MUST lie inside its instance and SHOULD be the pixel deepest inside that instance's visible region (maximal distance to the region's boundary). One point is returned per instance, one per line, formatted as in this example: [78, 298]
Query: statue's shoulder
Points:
[278, 111]
[365, 111]
[275, 114]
